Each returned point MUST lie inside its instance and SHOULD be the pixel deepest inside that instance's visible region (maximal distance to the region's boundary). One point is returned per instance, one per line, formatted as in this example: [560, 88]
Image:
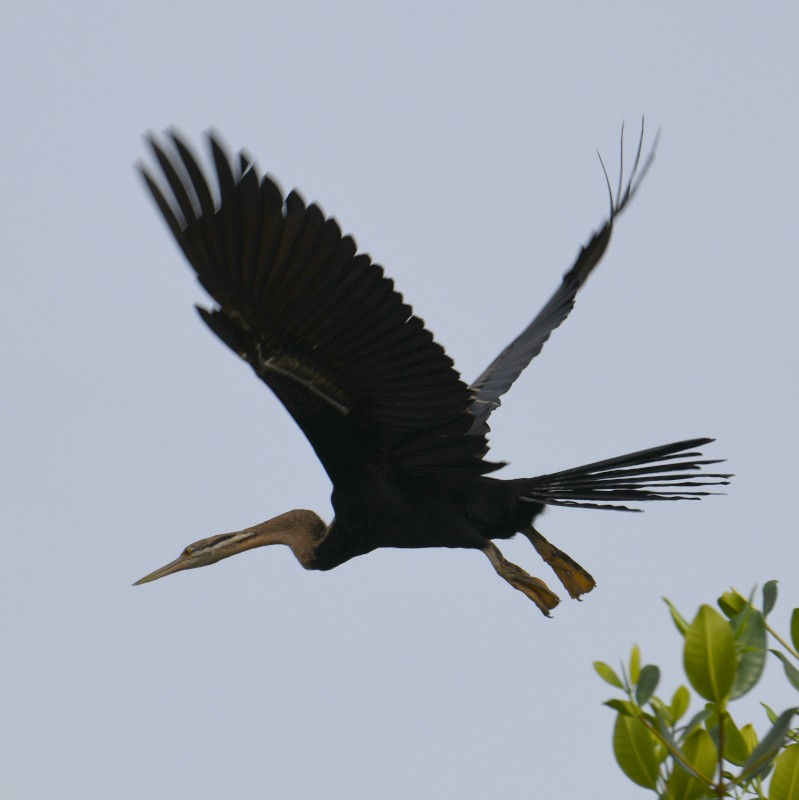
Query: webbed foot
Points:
[532, 587]
[574, 578]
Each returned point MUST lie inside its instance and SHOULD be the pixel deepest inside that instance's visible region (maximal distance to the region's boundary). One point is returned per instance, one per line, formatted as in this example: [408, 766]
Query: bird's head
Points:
[199, 554]
[299, 529]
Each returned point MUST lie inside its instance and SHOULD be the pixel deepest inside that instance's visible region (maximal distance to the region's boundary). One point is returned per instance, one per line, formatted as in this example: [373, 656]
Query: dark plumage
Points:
[401, 436]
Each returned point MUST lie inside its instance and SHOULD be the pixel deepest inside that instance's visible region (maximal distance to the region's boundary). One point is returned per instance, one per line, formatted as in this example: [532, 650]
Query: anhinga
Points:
[401, 436]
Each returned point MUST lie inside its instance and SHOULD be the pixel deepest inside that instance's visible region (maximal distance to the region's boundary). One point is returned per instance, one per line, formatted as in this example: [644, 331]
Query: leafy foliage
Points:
[709, 755]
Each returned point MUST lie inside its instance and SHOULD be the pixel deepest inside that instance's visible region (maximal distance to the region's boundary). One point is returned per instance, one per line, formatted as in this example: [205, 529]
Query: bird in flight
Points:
[401, 436]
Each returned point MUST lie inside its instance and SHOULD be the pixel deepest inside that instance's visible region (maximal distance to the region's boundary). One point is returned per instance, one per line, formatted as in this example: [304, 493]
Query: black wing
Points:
[320, 324]
[498, 377]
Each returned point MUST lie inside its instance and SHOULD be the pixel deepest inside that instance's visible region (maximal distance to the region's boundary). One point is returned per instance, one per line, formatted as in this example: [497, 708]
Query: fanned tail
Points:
[668, 472]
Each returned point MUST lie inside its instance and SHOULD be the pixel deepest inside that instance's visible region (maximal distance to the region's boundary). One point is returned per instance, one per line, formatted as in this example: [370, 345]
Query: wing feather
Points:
[318, 322]
[498, 377]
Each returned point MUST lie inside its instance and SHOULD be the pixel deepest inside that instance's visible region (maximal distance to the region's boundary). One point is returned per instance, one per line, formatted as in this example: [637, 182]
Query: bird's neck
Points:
[314, 544]
[339, 544]
[301, 530]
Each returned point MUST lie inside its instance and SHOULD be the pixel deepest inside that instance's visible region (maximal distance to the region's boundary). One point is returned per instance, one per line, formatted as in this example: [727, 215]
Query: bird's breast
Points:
[383, 512]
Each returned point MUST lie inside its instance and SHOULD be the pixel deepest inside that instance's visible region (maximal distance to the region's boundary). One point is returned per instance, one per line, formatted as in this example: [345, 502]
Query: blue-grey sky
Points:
[457, 142]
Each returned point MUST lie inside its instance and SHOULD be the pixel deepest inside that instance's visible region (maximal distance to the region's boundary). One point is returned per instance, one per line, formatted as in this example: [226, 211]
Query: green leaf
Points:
[662, 711]
[624, 707]
[608, 674]
[635, 664]
[647, 683]
[785, 781]
[763, 755]
[750, 644]
[769, 597]
[791, 673]
[700, 752]
[770, 713]
[734, 746]
[671, 745]
[736, 750]
[750, 737]
[680, 702]
[795, 628]
[732, 603]
[696, 719]
[709, 656]
[634, 748]
[679, 621]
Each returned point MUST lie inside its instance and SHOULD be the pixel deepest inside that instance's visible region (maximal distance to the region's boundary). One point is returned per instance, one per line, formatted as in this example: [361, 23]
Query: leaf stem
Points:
[720, 788]
[782, 641]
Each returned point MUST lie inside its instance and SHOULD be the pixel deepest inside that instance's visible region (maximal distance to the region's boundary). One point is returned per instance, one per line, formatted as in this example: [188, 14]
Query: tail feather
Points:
[645, 475]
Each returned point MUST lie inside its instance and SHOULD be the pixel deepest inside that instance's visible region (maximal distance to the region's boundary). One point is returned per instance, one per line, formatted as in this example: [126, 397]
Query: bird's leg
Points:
[573, 577]
[534, 588]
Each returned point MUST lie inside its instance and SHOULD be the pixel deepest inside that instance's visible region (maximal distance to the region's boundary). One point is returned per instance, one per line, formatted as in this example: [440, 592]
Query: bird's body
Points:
[418, 512]
[401, 436]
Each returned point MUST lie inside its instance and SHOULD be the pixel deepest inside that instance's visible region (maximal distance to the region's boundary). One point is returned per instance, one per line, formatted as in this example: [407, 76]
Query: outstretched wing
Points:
[320, 324]
[498, 377]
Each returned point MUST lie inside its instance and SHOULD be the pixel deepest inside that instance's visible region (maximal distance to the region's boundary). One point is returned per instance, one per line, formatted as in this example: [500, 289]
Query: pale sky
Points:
[457, 142]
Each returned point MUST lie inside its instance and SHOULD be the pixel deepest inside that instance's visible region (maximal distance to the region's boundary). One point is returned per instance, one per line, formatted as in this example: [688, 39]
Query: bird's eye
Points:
[187, 551]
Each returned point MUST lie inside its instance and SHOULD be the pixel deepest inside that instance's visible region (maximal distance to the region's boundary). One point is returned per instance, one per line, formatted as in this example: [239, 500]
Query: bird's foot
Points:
[532, 587]
[574, 578]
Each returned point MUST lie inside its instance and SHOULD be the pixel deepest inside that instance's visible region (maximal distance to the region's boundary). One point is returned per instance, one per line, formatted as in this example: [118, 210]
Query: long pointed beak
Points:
[180, 563]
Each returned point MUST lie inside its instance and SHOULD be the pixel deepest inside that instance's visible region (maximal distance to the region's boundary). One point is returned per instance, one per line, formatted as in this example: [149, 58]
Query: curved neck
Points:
[301, 530]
